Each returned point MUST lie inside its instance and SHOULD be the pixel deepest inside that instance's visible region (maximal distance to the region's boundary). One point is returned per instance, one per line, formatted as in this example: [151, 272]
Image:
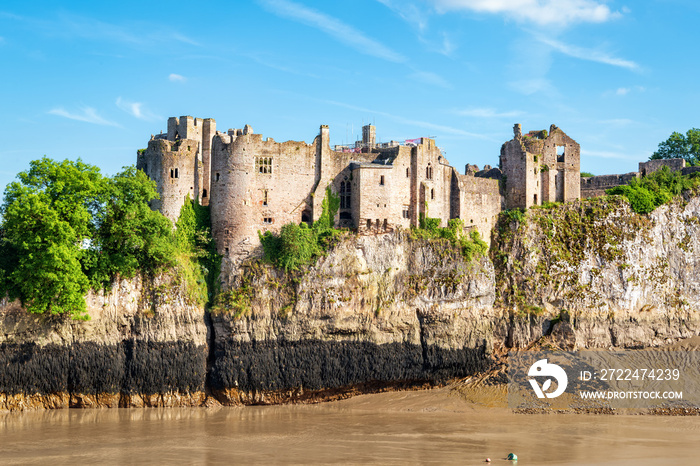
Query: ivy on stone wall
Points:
[298, 245]
[196, 254]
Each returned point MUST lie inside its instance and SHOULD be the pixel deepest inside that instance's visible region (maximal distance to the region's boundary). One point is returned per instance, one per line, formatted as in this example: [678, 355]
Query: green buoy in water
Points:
[512, 456]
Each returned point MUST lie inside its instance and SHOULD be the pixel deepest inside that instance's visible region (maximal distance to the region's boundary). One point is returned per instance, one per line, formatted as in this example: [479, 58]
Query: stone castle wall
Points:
[477, 201]
[258, 186]
[595, 186]
[254, 185]
[540, 168]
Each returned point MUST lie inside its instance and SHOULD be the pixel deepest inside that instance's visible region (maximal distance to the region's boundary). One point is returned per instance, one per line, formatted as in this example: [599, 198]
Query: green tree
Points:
[47, 218]
[129, 235]
[684, 146]
[66, 228]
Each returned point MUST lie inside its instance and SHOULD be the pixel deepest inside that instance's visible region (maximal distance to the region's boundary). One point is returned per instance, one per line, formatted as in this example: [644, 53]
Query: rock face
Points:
[376, 311]
[140, 348]
[602, 275]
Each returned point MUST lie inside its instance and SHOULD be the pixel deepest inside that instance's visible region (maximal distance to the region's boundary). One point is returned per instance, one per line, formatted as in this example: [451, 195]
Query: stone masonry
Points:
[540, 167]
[254, 184]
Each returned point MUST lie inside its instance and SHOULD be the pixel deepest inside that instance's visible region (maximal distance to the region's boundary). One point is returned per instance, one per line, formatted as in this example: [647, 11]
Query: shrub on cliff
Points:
[298, 245]
[67, 228]
[647, 193]
[470, 245]
[196, 254]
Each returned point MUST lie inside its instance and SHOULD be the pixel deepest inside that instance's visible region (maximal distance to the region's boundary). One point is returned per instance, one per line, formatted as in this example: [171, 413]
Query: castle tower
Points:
[369, 136]
[540, 166]
[179, 162]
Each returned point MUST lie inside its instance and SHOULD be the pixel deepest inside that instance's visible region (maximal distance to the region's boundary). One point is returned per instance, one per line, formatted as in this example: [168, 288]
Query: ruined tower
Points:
[179, 162]
[369, 137]
[539, 167]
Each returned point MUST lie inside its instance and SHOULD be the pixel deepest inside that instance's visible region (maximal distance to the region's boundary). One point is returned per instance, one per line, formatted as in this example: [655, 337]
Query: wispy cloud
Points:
[541, 12]
[136, 109]
[177, 78]
[417, 18]
[447, 45]
[622, 91]
[333, 27]
[408, 12]
[431, 78]
[86, 114]
[589, 54]
[418, 123]
[73, 26]
[488, 113]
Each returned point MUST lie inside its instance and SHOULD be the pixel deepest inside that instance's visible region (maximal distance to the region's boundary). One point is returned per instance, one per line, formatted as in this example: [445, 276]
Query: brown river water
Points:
[418, 427]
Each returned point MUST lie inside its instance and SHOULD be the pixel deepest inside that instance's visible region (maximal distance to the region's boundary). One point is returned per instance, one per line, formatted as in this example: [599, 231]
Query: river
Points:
[418, 427]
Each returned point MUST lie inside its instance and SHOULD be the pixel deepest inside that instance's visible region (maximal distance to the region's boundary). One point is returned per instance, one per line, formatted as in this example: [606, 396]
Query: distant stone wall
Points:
[595, 186]
[479, 203]
[647, 168]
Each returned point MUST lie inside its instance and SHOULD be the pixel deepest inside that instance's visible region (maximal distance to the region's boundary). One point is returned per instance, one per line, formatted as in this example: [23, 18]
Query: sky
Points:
[93, 80]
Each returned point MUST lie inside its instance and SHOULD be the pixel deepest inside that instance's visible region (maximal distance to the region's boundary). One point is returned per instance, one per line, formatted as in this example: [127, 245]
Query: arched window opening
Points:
[345, 194]
[432, 193]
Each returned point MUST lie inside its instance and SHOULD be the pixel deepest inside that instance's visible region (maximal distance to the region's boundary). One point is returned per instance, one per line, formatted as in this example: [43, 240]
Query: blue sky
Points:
[95, 79]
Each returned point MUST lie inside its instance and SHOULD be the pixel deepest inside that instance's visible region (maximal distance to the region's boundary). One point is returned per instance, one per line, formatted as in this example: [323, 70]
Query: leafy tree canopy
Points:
[67, 228]
[684, 146]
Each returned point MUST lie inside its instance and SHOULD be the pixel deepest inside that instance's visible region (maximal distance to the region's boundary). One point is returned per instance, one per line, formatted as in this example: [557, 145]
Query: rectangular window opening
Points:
[263, 165]
[381, 180]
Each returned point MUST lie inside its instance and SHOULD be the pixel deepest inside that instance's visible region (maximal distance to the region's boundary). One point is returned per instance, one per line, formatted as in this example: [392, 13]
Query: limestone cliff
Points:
[376, 311]
[144, 345]
[607, 277]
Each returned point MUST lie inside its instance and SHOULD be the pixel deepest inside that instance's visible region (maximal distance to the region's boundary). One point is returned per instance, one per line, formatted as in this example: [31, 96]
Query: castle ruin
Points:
[254, 184]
